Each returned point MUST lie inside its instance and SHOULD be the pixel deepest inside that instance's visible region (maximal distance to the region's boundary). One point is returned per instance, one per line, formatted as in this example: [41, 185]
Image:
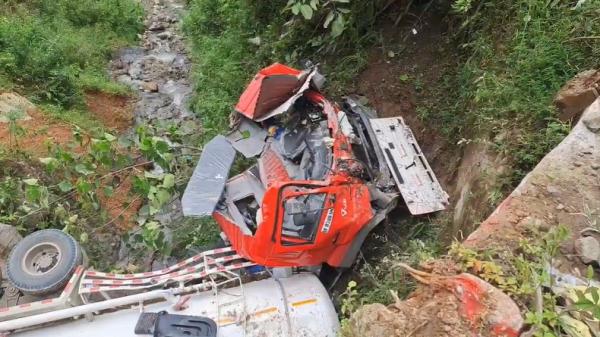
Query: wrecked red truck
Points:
[319, 178]
[324, 175]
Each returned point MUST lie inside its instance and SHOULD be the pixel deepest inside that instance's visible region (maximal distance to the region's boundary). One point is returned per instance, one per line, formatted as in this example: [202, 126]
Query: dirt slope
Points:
[564, 188]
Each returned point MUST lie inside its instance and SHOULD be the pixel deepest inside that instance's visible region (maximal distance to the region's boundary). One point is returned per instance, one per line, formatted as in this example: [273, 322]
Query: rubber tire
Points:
[55, 279]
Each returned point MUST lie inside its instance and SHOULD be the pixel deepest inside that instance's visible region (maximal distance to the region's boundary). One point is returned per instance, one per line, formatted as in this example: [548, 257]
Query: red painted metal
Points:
[256, 100]
[348, 196]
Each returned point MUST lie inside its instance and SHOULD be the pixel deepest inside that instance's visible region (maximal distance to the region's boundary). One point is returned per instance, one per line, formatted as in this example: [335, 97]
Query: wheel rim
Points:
[41, 258]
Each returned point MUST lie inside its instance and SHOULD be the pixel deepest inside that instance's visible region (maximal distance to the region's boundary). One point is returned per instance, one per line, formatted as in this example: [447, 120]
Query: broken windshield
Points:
[302, 215]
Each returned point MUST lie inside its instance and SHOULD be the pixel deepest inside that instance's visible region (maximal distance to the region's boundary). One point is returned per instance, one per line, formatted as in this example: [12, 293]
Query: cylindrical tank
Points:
[296, 306]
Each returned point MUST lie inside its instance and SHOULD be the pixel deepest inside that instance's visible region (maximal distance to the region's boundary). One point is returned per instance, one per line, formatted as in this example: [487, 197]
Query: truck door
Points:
[303, 214]
[301, 218]
[313, 221]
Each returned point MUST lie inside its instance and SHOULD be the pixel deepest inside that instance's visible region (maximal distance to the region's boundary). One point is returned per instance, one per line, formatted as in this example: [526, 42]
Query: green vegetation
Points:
[522, 272]
[233, 39]
[83, 188]
[517, 54]
[411, 241]
[513, 57]
[53, 50]
[224, 58]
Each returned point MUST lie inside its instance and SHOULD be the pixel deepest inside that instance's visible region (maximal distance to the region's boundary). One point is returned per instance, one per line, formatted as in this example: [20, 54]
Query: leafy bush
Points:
[224, 59]
[88, 191]
[519, 53]
[47, 46]
[232, 39]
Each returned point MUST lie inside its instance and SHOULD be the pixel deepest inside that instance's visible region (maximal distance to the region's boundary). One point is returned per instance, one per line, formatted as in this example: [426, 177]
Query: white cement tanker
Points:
[213, 294]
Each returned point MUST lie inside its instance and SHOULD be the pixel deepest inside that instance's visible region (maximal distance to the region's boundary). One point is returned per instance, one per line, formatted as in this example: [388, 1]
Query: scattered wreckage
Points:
[324, 177]
[216, 293]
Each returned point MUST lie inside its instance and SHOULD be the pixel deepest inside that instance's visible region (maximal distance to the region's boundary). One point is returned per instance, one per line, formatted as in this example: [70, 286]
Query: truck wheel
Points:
[43, 262]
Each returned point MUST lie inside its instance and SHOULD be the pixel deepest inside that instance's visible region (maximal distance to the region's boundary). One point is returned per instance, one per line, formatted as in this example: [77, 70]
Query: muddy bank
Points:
[403, 79]
[563, 189]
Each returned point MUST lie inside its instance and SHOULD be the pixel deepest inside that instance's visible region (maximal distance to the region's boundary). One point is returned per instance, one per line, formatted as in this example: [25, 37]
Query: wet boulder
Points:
[11, 102]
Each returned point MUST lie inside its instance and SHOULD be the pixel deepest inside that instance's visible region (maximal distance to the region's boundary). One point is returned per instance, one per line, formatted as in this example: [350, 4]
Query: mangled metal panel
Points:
[413, 175]
[360, 117]
[271, 167]
[291, 100]
[206, 185]
[321, 156]
[269, 89]
[238, 188]
[312, 147]
[243, 185]
[248, 138]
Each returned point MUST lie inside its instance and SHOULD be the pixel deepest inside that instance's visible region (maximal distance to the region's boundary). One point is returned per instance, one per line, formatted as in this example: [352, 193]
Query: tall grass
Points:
[232, 39]
[55, 49]
[518, 54]
[224, 59]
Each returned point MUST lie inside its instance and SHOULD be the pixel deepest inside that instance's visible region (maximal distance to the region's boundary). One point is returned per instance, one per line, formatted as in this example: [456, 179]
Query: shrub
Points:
[233, 39]
[47, 46]
[517, 55]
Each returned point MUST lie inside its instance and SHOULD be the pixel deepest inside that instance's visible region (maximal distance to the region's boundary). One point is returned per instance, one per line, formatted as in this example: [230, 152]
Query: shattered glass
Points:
[302, 216]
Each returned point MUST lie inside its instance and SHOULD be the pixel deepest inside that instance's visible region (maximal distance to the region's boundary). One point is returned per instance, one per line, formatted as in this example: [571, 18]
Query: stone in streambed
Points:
[588, 249]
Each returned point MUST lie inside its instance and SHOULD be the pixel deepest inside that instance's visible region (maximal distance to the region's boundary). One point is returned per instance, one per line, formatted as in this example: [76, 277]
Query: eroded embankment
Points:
[562, 190]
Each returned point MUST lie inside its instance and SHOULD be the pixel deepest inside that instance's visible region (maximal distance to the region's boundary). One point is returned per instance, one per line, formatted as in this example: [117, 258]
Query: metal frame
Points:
[69, 297]
[414, 177]
[215, 268]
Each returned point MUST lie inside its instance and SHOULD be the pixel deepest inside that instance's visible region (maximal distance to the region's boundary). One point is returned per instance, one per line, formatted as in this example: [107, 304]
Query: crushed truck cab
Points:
[323, 176]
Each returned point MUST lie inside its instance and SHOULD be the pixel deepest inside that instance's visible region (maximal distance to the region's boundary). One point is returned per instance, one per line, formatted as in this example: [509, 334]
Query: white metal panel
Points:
[206, 185]
[297, 306]
[415, 179]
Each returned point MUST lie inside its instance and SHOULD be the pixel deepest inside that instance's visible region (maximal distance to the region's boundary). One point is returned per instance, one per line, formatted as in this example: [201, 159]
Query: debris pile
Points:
[563, 189]
[460, 305]
[324, 175]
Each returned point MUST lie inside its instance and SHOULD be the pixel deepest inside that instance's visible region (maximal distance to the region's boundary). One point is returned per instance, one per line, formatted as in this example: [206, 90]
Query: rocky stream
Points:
[158, 71]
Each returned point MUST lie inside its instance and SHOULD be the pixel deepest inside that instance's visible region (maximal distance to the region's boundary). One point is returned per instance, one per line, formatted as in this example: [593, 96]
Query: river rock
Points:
[136, 70]
[11, 102]
[128, 55]
[125, 79]
[158, 25]
[588, 249]
[150, 86]
[164, 35]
